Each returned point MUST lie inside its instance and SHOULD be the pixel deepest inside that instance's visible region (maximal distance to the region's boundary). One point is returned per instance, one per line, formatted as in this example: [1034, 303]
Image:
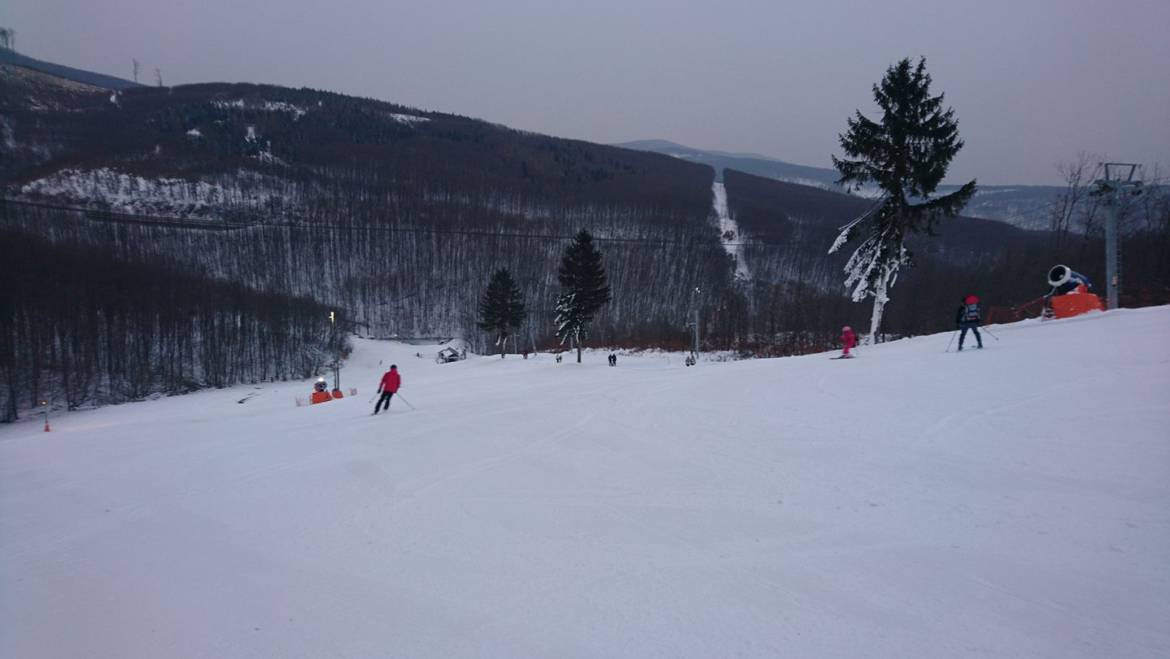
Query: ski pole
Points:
[405, 401]
[992, 335]
[951, 341]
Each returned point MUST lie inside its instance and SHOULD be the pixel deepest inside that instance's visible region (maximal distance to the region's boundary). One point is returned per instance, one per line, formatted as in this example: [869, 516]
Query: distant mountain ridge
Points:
[752, 163]
[13, 58]
[1023, 206]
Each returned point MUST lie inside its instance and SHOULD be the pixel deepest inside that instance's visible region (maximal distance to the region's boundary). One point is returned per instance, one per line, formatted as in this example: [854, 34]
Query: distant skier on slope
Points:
[848, 339]
[967, 317]
[389, 385]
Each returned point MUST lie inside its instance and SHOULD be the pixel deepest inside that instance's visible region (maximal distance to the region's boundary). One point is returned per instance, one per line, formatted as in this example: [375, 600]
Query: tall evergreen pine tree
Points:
[501, 310]
[583, 290]
[906, 155]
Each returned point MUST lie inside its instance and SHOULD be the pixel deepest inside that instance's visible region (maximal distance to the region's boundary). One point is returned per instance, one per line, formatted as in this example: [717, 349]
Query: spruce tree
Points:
[906, 155]
[583, 290]
[501, 309]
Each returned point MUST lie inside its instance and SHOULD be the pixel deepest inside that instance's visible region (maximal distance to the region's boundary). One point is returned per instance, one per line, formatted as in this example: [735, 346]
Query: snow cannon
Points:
[320, 392]
[1064, 279]
[1070, 294]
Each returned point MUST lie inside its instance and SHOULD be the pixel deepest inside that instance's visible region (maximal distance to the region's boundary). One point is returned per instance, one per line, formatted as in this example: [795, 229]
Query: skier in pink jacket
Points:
[848, 339]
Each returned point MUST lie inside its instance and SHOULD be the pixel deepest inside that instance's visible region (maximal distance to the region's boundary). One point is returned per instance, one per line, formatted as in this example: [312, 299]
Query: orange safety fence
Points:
[1029, 309]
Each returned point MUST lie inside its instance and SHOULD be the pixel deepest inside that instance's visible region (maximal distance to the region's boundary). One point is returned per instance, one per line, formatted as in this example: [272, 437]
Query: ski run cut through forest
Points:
[912, 502]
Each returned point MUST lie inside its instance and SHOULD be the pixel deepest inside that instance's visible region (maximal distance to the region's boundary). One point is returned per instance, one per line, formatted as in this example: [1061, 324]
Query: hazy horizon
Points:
[1032, 86]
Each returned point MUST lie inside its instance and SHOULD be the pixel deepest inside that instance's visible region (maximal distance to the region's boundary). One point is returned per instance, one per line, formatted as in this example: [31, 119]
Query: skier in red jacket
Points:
[389, 385]
[848, 339]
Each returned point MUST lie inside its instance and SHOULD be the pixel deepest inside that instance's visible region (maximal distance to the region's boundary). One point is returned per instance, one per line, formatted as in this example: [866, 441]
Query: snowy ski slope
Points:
[1013, 502]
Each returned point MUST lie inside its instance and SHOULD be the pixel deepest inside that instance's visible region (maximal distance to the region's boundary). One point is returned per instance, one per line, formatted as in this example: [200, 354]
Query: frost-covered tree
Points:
[906, 154]
[501, 310]
[583, 290]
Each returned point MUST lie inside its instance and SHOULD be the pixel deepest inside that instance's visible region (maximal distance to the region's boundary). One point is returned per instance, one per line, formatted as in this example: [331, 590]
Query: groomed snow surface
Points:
[1010, 502]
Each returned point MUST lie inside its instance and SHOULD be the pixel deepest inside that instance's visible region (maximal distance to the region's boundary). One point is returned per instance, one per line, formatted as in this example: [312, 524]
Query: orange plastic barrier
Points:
[337, 394]
[320, 397]
[1076, 303]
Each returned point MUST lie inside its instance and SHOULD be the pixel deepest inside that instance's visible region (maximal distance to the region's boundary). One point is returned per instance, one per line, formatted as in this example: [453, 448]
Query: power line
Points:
[534, 236]
[193, 223]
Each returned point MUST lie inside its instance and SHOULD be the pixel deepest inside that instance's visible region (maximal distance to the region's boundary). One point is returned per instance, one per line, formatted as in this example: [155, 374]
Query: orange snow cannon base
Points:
[337, 394]
[320, 397]
[1076, 303]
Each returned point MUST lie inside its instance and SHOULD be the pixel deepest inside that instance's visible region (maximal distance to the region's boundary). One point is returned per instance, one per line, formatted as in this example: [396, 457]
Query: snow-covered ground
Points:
[1013, 502]
[729, 231]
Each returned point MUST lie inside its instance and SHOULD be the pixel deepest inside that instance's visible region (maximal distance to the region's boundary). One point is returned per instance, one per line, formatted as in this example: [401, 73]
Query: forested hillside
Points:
[82, 326]
[394, 215]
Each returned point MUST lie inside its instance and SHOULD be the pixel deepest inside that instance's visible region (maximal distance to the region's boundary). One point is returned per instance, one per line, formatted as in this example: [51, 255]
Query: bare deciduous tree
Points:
[1078, 175]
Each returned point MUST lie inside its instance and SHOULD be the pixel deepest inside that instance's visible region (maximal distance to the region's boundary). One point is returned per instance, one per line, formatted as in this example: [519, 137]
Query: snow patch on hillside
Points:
[7, 135]
[267, 106]
[729, 234]
[109, 189]
[267, 157]
[280, 106]
[408, 119]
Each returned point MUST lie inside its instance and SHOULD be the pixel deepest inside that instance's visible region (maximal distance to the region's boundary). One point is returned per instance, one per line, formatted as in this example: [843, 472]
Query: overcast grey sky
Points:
[1033, 82]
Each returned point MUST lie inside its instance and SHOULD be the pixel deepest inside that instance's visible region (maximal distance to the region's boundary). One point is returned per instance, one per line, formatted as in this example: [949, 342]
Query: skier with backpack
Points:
[967, 317]
[389, 385]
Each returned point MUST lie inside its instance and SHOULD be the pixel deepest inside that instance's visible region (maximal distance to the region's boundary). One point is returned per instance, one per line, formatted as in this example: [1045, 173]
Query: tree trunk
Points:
[577, 340]
[875, 321]
[879, 304]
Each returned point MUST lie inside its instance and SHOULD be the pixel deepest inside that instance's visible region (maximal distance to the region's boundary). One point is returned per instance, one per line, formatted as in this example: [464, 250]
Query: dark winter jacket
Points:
[969, 313]
[390, 381]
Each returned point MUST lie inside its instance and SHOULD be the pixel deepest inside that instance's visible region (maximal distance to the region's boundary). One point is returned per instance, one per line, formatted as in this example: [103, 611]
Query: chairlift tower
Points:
[1118, 183]
[695, 322]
